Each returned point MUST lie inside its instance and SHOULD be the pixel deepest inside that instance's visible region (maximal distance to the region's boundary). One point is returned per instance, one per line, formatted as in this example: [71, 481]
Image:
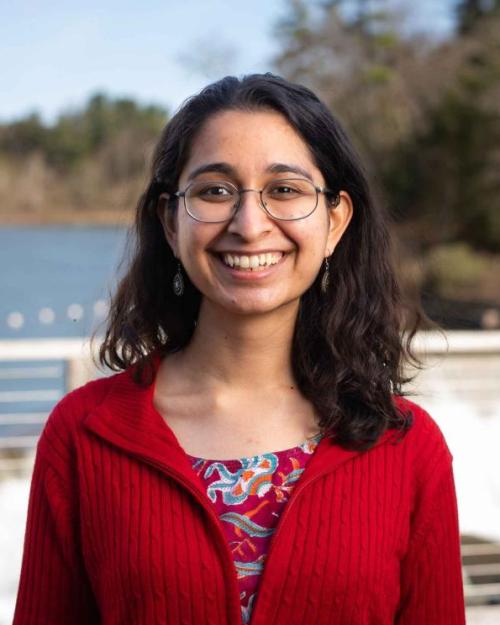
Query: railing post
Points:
[79, 370]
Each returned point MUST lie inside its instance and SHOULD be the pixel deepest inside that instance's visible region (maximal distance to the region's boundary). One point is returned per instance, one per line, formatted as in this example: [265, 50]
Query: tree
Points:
[445, 176]
[424, 114]
[470, 12]
[90, 160]
[79, 134]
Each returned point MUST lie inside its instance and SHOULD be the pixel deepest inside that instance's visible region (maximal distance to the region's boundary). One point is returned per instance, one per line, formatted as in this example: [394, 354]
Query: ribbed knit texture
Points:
[120, 529]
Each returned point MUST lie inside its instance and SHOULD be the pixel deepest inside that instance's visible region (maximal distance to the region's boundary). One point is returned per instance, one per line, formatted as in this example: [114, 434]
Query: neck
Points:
[241, 351]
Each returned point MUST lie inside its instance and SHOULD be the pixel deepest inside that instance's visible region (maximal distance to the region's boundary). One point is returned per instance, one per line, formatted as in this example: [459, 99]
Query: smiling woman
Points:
[255, 461]
[291, 221]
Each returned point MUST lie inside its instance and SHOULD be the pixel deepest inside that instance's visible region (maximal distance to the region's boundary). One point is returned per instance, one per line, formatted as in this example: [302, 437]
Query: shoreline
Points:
[67, 218]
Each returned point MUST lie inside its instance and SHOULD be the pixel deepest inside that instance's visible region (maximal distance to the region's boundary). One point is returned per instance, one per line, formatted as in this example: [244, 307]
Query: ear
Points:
[339, 214]
[168, 219]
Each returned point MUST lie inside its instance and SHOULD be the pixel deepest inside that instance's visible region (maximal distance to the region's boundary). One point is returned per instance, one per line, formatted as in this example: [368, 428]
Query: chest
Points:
[238, 427]
[159, 548]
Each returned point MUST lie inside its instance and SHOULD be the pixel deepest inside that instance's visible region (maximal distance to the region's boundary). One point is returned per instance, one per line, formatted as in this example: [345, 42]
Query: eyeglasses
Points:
[216, 201]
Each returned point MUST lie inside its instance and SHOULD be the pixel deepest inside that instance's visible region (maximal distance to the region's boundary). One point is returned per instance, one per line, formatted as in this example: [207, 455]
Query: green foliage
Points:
[79, 135]
[445, 174]
[24, 136]
[378, 74]
[453, 268]
[470, 12]
[425, 115]
[88, 166]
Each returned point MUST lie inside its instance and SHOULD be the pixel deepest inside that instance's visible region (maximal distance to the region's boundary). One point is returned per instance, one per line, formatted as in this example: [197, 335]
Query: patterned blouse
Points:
[249, 495]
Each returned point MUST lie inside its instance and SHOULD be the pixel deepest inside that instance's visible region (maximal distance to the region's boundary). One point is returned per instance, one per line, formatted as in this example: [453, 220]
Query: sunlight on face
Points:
[253, 263]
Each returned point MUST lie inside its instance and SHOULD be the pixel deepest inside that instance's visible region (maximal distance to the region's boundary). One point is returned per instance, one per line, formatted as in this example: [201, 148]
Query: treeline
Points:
[425, 114]
[88, 166]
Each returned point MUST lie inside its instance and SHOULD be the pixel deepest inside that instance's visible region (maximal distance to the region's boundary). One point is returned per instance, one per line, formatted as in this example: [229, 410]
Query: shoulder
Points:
[425, 445]
[85, 398]
[428, 459]
[423, 425]
[429, 485]
[63, 424]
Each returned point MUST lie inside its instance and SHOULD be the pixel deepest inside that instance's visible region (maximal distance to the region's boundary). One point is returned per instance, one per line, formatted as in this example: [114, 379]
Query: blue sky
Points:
[55, 54]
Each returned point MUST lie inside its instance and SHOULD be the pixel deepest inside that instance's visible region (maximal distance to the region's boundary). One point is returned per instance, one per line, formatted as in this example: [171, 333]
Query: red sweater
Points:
[120, 529]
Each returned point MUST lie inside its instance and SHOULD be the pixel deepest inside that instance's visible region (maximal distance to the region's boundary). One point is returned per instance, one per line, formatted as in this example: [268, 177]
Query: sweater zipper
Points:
[293, 498]
[219, 531]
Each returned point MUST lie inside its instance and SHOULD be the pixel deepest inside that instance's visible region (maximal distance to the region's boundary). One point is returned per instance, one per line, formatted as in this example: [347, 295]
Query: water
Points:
[54, 281]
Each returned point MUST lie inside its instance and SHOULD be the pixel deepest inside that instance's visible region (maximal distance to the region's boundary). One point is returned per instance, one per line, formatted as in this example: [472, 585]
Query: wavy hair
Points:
[349, 348]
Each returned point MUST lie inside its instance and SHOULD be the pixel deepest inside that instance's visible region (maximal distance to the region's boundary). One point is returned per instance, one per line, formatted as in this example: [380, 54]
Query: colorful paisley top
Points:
[249, 495]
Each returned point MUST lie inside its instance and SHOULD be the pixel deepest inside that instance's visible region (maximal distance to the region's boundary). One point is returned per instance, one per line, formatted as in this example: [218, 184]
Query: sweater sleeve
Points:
[431, 573]
[53, 588]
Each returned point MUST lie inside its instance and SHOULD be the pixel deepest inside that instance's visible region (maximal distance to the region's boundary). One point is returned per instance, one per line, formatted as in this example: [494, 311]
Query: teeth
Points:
[253, 262]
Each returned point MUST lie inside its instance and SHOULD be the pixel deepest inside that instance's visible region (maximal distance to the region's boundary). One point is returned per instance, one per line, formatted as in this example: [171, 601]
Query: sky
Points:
[55, 54]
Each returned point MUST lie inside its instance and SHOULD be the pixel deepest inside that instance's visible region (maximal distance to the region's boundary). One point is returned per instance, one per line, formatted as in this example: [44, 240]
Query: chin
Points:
[255, 306]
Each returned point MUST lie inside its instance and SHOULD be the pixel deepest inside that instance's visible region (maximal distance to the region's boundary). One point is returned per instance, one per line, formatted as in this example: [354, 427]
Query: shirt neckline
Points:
[283, 452]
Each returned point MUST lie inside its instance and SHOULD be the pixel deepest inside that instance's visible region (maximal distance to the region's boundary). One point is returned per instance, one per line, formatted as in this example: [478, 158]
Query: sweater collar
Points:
[127, 419]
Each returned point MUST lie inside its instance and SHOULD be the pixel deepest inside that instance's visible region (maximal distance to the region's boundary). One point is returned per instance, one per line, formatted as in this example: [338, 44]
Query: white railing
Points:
[77, 357]
[458, 342]
[475, 352]
[77, 353]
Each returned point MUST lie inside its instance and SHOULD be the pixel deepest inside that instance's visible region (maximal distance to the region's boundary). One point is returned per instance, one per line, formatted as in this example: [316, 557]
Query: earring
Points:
[325, 279]
[178, 281]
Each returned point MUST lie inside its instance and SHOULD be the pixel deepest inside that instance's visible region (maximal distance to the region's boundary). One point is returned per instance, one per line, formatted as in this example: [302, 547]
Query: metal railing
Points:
[481, 572]
[469, 360]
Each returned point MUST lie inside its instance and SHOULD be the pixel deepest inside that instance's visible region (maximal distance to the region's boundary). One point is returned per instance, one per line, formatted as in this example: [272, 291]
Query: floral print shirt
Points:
[249, 495]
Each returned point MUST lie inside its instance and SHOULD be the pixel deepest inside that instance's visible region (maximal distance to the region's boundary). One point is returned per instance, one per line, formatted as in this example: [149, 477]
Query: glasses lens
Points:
[211, 200]
[290, 199]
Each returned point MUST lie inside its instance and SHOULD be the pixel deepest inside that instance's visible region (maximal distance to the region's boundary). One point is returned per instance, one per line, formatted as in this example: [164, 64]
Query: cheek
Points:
[191, 236]
[195, 240]
[310, 238]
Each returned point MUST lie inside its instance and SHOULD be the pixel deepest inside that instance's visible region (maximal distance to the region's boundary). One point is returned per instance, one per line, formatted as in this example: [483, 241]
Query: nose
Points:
[250, 220]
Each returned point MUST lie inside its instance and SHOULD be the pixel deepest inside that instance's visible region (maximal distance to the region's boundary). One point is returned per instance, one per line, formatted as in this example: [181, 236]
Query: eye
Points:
[211, 191]
[282, 189]
[285, 190]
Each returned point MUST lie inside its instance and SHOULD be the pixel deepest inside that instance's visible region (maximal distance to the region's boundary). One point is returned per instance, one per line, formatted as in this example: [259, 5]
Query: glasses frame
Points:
[239, 192]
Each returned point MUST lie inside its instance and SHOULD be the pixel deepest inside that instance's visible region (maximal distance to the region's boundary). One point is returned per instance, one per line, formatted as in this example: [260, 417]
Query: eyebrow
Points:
[229, 170]
[285, 168]
[220, 168]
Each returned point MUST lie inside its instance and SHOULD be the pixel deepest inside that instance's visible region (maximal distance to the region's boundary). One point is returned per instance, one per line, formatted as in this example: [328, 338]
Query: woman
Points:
[255, 461]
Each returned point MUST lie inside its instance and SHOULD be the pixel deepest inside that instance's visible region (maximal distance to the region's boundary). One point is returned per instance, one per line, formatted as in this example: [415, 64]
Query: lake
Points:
[54, 281]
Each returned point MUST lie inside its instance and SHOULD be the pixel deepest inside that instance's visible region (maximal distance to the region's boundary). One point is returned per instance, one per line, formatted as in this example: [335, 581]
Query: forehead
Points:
[249, 141]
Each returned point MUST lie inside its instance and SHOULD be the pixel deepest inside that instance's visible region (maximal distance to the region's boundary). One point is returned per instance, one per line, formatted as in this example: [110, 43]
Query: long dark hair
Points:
[348, 347]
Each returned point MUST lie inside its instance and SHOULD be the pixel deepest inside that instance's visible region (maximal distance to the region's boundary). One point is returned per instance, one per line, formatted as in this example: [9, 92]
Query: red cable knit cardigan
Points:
[120, 529]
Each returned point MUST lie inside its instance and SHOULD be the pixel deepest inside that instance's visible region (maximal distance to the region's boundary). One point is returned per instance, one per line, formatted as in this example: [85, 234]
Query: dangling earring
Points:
[325, 279]
[178, 281]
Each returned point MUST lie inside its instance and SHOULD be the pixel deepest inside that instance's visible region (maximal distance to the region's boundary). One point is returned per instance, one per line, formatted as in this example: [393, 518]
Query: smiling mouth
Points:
[253, 262]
